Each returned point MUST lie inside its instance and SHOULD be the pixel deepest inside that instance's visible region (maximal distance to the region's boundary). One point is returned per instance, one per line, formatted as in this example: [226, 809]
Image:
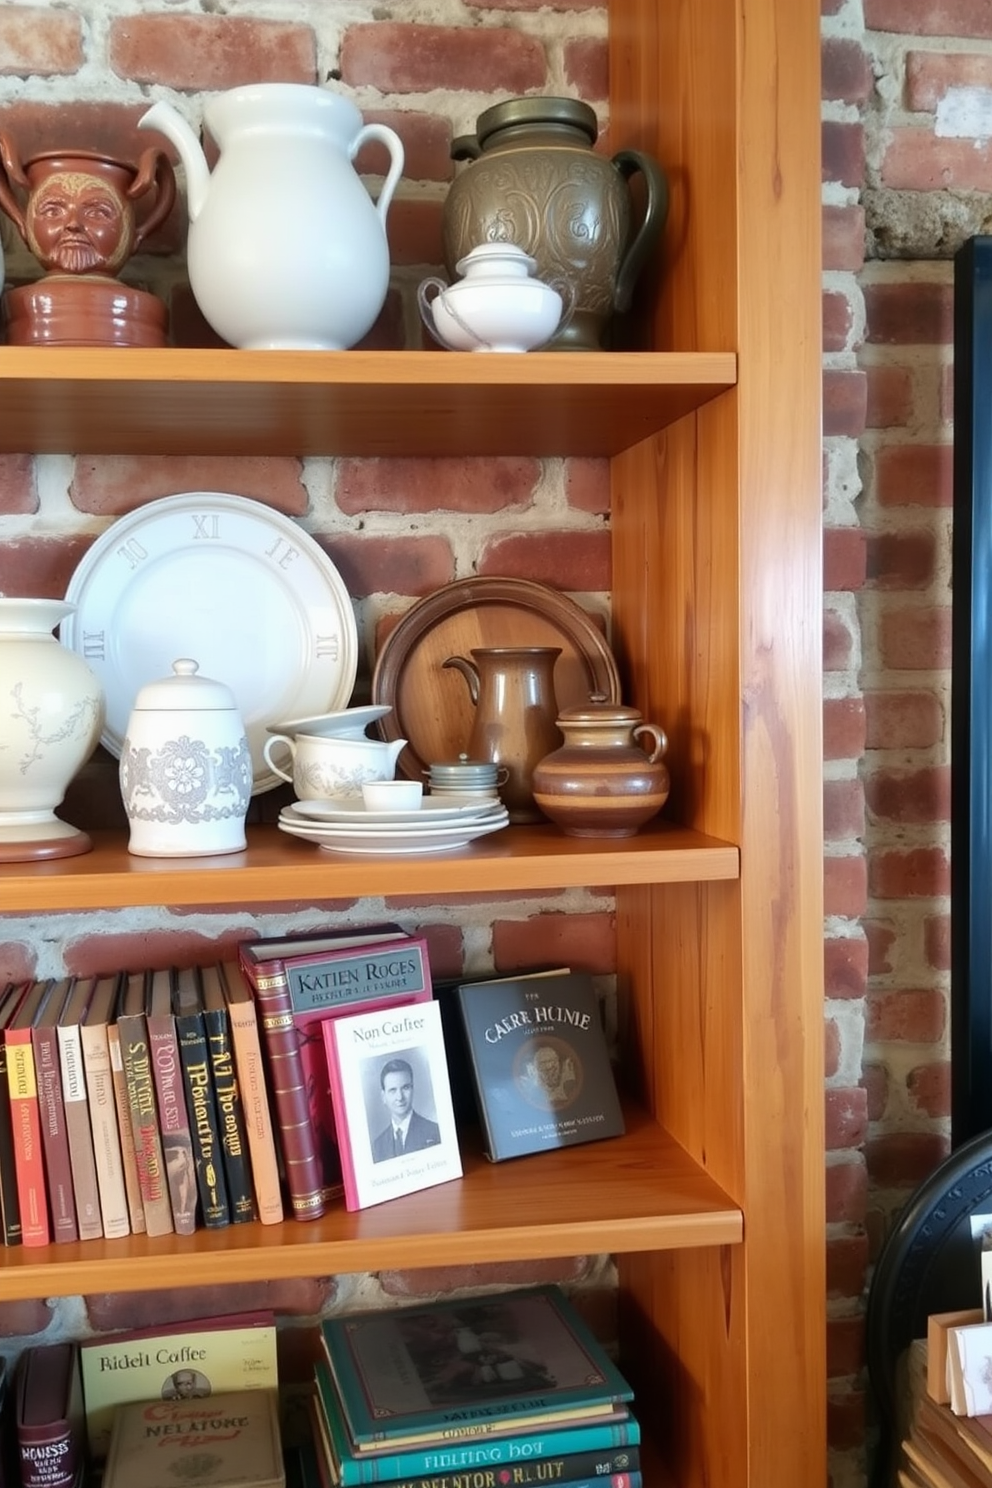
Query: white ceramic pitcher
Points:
[286, 247]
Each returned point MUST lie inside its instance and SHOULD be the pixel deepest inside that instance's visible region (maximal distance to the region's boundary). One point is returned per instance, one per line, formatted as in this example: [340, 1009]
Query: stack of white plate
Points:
[436, 826]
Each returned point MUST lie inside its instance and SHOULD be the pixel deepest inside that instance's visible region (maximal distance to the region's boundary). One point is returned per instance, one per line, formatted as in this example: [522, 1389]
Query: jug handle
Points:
[154, 169]
[630, 163]
[468, 671]
[12, 170]
[426, 313]
[394, 146]
[659, 737]
[465, 147]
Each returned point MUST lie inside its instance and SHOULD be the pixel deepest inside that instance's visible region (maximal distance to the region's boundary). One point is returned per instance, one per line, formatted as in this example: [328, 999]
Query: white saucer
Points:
[353, 721]
[429, 814]
[392, 840]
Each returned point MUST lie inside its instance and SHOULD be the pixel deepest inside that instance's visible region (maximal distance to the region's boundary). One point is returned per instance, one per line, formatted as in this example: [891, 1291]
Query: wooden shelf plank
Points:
[638, 1192]
[278, 868]
[100, 400]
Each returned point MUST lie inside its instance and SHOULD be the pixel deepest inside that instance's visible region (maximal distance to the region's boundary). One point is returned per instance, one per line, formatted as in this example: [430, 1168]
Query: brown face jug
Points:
[535, 180]
[602, 782]
[513, 690]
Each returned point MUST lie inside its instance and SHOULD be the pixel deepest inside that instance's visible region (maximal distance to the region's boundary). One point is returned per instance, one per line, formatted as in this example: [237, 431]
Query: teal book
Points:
[593, 1451]
[512, 1361]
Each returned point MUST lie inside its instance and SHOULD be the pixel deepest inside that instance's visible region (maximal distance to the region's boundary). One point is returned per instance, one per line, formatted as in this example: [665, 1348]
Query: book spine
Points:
[289, 1094]
[230, 1115]
[122, 1103]
[258, 1118]
[80, 1133]
[147, 1142]
[352, 1200]
[202, 1112]
[25, 1118]
[10, 1212]
[49, 1456]
[106, 1132]
[526, 1472]
[173, 1120]
[54, 1136]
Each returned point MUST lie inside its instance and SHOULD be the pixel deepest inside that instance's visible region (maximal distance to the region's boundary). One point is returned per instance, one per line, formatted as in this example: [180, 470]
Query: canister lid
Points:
[185, 689]
[463, 771]
[600, 712]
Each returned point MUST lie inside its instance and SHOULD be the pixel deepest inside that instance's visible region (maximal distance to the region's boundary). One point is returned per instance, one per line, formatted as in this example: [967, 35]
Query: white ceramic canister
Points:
[51, 714]
[186, 769]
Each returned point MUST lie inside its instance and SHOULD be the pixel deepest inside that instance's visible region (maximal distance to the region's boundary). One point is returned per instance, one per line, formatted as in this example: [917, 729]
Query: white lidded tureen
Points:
[186, 769]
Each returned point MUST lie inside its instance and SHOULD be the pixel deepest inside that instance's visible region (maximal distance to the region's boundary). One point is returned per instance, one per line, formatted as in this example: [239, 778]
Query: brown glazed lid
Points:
[571, 113]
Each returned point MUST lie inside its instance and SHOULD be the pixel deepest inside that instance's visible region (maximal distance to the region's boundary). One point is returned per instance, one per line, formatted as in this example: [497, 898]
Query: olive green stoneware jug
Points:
[534, 179]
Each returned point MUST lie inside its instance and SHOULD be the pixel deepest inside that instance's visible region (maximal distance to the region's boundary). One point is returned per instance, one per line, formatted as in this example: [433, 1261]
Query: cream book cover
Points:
[231, 1440]
[187, 1362]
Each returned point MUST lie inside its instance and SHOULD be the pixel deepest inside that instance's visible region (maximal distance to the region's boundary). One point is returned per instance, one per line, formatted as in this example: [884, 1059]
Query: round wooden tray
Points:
[431, 706]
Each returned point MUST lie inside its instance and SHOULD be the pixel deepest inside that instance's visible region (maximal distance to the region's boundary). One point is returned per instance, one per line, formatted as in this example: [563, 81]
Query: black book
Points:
[201, 1104]
[230, 1112]
[540, 1063]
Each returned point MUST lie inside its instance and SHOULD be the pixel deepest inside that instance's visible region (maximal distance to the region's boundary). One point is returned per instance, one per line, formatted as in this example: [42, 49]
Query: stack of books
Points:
[420, 1396]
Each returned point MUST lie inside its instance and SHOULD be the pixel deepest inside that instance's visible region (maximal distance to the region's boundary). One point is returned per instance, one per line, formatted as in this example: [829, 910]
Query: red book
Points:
[29, 1162]
[51, 1107]
[10, 1213]
[77, 1112]
[49, 1416]
[297, 982]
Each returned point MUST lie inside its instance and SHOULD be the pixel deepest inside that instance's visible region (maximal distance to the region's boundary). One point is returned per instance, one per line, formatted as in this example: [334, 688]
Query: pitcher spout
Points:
[163, 118]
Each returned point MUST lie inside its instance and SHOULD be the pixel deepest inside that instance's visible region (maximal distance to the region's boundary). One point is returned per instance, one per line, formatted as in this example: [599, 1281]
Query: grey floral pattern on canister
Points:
[185, 781]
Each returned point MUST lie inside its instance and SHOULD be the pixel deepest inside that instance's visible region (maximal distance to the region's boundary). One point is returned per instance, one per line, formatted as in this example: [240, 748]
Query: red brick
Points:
[903, 720]
[89, 954]
[838, 321]
[587, 485]
[846, 1117]
[845, 76]
[845, 883]
[17, 961]
[109, 485]
[845, 1345]
[875, 1079]
[916, 639]
[586, 63]
[831, 1048]
[586, 942]
[937, 941]
[906, 1016]
[18, 492]
[838, 642]
[35, 42]
[909, 313]
[831, 7]
[844, 558]
[566, 560]
[399, 58]
[916, 160]
[881, 938]
[916, 872]
[914, 475]
[843, 238]
[210, 53]
[39, 566]
[904, 1159]
[929, 1087]
[426, 140]
[431, 1280]
[413, 231]
[845, 402]
[400, 485]
[847, 1260]
[412, 566]
[21, 1319]
[929, 76]
[891, 402]
[842, 153]
[843, 809]
[289, 1297]
[845, 966]
[910, 796]
[843, 728]
[847, 1192]
[845, 1420]
[957, 18]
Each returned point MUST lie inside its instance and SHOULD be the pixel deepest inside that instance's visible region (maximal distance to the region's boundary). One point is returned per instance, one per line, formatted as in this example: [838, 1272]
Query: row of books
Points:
[133, 1103]
[511, 1385]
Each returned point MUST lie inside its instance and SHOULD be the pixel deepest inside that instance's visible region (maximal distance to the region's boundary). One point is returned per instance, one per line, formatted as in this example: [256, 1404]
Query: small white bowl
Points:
[392, 795]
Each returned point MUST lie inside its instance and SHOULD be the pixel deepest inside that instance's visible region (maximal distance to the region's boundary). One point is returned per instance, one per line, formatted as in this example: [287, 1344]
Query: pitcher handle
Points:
[658, 735]
[629, 163]
[394, 147]
[279, 739]
[154, 169]
[11, 170]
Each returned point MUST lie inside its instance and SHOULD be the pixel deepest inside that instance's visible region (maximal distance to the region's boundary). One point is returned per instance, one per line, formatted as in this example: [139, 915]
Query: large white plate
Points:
[364, 839]
[238, 587]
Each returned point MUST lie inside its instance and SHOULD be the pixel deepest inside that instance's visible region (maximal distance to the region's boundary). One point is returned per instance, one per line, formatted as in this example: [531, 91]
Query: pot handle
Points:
[279, 739]
[394, 146]
[11, 170]
[630, 163]
[154, 169]
[659, 737]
